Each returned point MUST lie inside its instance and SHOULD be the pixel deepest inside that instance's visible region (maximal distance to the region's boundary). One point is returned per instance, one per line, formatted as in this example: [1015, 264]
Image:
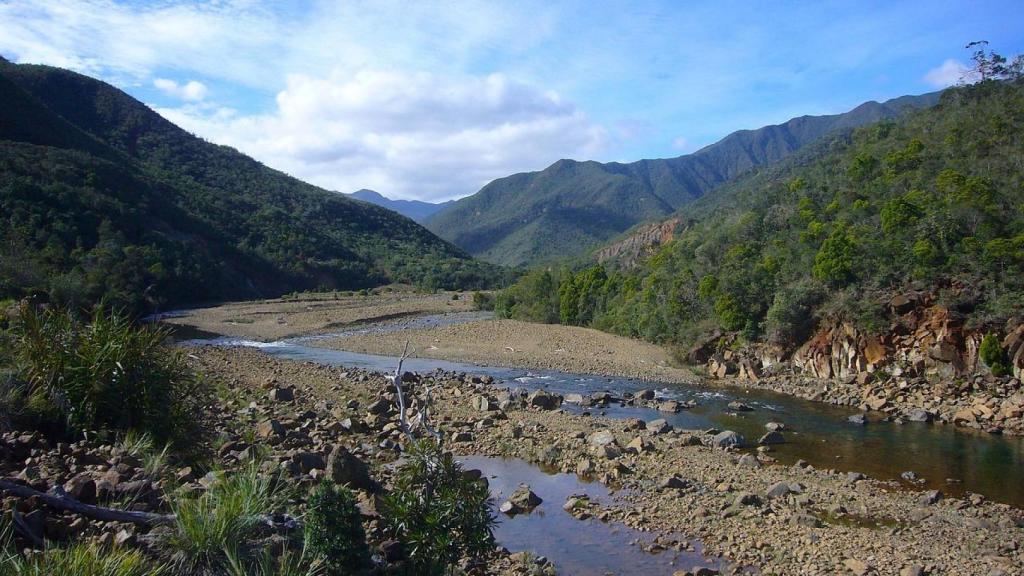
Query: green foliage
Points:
[539, 218]
[483, 300]
[437, 512]
[831, 233]
[790, 318]
[212, 530]
[102, 198]
[534, 298]
[104, 374]
[334, 532]
[993, 355]
[75, 560]
[834, 262]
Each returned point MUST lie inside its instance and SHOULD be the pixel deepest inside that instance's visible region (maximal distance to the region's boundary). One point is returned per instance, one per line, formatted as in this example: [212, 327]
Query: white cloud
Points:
[406, 134]
[192, 91]
[947, 74]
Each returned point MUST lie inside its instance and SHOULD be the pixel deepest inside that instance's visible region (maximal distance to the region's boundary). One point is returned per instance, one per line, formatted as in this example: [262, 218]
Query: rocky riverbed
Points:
[778, 519]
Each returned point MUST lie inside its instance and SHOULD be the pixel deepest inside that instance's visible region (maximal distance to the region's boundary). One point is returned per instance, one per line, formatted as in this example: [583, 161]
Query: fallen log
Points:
[59, 499]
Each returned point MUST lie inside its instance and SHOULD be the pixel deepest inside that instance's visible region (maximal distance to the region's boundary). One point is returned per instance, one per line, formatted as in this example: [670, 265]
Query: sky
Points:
[432, 100]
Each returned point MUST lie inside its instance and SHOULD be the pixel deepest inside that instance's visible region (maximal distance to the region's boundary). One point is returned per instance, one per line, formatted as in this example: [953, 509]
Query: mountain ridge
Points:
[572, 206]
[418, 210]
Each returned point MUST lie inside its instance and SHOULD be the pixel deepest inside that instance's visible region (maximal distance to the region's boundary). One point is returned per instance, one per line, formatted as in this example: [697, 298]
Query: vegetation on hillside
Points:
[100, 197]
[935, 198]
[571, 207]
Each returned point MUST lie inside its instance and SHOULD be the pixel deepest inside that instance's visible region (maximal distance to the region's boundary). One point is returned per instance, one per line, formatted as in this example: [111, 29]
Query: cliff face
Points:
[627, 252]
[925, 366]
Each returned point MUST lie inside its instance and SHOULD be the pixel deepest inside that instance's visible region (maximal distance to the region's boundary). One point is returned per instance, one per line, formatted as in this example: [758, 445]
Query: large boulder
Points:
[345, 467]
[728, 439]
[601, 438]
[544, 400]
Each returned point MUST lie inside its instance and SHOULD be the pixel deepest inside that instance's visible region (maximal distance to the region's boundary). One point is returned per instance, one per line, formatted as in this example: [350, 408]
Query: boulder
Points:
[601, 438]
[669, 406]
[345, 467]
[918, 415]
[930, 497]
[738, 406]
[543, 400]
[778, 490]
[659, 426]
[728, 439]
[282, 395]
[775, 426]
[270, 428]
[858, 419]
[524, 499]
[645, 394]
[639, 445]
[772, 438]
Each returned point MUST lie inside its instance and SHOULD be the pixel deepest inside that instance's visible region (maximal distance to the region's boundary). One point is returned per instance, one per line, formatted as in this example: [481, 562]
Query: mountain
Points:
[847, 236]
[100, 197]
[572, 206]
[415, 209]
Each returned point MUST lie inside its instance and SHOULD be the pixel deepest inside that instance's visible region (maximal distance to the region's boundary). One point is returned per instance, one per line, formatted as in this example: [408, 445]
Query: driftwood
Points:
[59, 499]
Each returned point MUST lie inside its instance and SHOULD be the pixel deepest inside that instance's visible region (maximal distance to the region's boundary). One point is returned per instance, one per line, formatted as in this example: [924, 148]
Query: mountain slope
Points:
[930, 205]
[572, 206]
[415, 209]
[102, 197]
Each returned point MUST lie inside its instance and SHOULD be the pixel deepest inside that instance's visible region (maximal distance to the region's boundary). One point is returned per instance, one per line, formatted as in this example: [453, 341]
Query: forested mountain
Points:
[572, 206]
[934, 200]
[100, 197]
[415, 209]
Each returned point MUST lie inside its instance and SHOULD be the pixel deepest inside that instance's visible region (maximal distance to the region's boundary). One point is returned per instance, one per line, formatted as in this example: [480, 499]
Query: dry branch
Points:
[60, 500]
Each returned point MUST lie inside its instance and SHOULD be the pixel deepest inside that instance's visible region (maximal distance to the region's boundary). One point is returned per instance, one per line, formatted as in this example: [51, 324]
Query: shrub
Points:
[76, 560]
[993, 355]
[211, 530]
[483, 301]
[334, 532]
[436, 512]
[790, 318]
[107, 374]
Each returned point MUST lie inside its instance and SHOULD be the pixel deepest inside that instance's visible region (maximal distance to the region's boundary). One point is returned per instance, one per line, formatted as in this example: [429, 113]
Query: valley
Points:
[842, 508]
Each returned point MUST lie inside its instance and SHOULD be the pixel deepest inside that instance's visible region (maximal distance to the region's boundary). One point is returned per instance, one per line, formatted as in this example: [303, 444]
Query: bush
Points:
[107, 374]
[334, 532]
[76, 560]
[436, 512]
[993, 355]
[790, 318]
[212, 530]
[483, 301]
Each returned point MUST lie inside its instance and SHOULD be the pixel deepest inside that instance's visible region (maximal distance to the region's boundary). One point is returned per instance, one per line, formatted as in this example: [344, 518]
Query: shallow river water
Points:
[950, 459]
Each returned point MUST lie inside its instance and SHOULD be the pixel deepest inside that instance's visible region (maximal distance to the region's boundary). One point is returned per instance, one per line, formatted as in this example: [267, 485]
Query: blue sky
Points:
[433, 100]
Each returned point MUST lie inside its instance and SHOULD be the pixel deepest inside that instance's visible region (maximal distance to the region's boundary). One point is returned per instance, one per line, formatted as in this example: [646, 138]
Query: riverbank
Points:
[269, 320]
[516, 344]
[814, 522]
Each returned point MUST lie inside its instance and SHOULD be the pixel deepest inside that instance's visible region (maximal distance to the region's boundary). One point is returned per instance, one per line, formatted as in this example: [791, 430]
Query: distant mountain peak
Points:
[417, 210]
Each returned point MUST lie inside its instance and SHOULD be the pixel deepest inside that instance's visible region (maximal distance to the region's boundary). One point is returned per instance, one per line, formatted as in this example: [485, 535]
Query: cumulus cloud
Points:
[406, 134]
[947, 74]
[191, 90]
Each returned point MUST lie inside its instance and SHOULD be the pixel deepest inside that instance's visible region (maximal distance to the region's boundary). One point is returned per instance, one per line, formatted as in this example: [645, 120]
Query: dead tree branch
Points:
[423, 415]
[59, 499]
